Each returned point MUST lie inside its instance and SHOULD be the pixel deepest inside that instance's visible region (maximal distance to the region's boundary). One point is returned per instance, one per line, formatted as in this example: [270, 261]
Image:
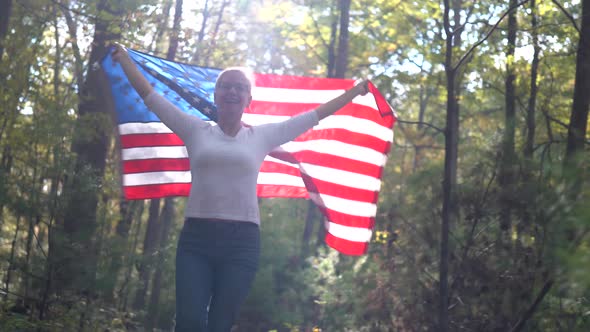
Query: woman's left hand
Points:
[362, 87]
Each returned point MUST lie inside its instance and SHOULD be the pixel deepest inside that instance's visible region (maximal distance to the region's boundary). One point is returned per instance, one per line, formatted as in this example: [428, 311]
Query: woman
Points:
[219, 245]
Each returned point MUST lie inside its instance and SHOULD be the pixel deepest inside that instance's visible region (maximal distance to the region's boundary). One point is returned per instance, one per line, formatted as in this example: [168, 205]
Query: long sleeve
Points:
[181, 123]
[279, 133]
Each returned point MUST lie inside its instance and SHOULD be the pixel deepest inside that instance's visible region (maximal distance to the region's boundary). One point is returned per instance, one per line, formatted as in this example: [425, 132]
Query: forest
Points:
[483, 221]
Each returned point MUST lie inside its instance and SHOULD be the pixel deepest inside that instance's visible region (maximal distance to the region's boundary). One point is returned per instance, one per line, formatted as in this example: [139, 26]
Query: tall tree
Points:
[5, 12]
[77, 255]
[532, 103]
[578, 125]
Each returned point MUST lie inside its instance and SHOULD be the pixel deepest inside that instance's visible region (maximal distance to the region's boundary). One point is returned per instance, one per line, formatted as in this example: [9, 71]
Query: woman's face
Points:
[232, 92]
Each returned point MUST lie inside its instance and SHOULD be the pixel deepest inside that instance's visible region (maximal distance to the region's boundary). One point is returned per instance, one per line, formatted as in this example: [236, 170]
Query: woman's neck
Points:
[230, 127]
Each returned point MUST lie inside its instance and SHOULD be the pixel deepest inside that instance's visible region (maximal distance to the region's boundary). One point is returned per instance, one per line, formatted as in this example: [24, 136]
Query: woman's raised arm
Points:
[181, 123]
[337, 103]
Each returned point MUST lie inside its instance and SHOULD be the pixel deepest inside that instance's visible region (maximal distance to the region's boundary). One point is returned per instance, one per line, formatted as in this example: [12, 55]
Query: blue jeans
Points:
[216, 262]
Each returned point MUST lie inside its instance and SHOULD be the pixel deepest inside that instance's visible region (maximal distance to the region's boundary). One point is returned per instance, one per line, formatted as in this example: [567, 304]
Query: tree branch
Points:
[441, 131]
[494, 27]
[531, 310]
[567, 14]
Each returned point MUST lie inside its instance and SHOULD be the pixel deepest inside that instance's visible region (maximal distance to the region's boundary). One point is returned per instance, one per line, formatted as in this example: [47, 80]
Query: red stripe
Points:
[346, 136]
[292, 109]
[273, 167]
[338, 190]
[157, 190]
[155, 165]
[331, 161]
[144, 140]
[384, 107]
[299, 82]
[347, 247]
[347, 219]
[271, 190]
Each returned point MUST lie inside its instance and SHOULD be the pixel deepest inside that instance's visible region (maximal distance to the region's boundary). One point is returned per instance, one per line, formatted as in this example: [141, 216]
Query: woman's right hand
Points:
[119, 53]
[135, 77]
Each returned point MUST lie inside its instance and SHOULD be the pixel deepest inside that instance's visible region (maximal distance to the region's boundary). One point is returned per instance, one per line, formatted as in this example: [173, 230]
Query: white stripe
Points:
[143, 128]
[348, 122]
[138, 179]
[305, 96]
[152, 152]
[355, 234]
[343, 205]
[361, 126]
[275, 160]
[340, 177]
[337, 148]
[131, 128]
[280, 179]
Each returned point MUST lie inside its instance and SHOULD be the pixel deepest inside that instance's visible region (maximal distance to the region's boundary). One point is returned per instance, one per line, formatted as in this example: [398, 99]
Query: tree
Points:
[76, 257]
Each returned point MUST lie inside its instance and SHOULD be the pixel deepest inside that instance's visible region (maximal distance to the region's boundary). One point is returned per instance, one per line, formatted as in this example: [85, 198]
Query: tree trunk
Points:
[123, 292]
[449, 209]
[530, 117]
[77, 256]
[211, 47]
[161, 29]
[506, 177]
[167, 222]
[342, 56]
[5, 12]
[332, 45]
[201, 35]
[576, 135]
[149, 247]
[11, 265]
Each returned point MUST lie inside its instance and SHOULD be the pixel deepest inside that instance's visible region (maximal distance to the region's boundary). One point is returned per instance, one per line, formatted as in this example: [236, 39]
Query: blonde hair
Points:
[247, 72]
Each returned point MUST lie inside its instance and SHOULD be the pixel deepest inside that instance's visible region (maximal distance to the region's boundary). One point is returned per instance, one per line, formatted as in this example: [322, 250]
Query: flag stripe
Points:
[144, 140]
[346, 247]
[156, 164]
[155, 191]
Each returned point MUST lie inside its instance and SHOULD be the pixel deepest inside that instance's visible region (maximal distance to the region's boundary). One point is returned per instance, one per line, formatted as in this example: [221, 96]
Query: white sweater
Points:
[224, 169]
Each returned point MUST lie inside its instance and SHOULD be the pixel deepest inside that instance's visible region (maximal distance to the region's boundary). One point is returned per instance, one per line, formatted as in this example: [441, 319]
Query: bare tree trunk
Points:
[78, 63]
[162, 28]
[5, 12]
[173, 47]
[201, 35]
[211, 47]
[77, 255]
[149, 247]
[450, 165]
[167, 222]
[576, 135]
[11, 263]
[123, 292]
[332, 45]
[530, 118]
[507, 176]
[342, 56]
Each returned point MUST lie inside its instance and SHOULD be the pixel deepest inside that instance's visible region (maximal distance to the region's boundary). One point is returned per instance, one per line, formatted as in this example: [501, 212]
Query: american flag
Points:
[338, 164]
